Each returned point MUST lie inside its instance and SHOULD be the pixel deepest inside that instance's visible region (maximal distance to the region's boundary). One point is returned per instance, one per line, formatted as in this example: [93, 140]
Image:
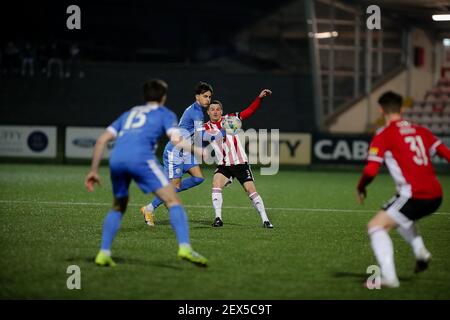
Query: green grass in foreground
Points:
[48, 222]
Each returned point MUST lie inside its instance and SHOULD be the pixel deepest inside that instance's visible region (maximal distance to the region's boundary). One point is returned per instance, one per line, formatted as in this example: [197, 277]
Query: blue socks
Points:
[185, 184]
[190, 182]
[178, 220]
[179, 223]
[110, 228]
[157, 202]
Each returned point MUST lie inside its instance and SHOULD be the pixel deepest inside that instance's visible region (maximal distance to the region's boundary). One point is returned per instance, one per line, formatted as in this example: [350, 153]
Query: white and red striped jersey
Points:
[406, 149]
[229, 151]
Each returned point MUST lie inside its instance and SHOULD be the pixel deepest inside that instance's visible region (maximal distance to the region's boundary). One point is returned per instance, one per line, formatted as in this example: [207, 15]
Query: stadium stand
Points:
[433, 111]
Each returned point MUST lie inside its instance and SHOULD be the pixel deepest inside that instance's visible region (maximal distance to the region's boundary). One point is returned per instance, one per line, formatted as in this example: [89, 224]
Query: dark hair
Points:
[391, 102]
[154, 90]
[216, 102]
[203, 87]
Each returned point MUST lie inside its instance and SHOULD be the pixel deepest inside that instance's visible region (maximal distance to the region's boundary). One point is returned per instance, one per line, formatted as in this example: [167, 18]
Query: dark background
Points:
[123, 43]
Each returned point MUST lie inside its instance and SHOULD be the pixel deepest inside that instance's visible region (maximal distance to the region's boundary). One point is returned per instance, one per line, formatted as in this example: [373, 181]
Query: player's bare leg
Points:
[179, 222]
[378, 229]
[168, 194]
[258, 204]
[110, 228]
[176, 182]
[180, 185]
[194, 180]
[422, 255]
[196, 172]
[219, 181]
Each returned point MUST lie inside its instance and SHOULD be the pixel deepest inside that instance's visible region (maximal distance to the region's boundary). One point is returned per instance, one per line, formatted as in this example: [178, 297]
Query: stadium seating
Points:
[434, 111]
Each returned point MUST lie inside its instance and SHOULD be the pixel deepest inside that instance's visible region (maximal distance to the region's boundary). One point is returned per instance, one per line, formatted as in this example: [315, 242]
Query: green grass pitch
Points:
[318, 249]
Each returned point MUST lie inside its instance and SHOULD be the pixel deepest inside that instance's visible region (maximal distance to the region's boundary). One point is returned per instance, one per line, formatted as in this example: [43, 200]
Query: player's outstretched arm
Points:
[177, 140]
[251, 109]
[443, 152]
[369, 173]
[92, 177]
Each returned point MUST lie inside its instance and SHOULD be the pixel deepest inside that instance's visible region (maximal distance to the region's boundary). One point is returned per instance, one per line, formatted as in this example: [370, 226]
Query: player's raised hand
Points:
[265, 93]
[91, 179]
[361, 195]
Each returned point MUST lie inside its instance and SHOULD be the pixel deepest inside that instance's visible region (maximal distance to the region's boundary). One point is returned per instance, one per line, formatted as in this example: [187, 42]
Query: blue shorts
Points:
[148, 175]
[177, 163]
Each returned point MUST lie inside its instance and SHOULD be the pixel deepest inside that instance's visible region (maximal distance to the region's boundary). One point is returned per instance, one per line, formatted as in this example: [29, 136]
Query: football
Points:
[231, 124]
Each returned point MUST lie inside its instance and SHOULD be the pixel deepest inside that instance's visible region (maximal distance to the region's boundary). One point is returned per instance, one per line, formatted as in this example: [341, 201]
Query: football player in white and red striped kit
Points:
[232, 160]
[406, 149]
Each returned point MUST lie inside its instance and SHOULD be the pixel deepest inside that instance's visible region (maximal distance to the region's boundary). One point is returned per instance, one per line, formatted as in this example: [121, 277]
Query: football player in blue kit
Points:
[136, 133]
[177, 162]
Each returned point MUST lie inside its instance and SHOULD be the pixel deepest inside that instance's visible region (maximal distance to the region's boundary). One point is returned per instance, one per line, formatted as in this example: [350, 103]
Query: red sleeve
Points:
[369, 173]
[377, 148]
[443, 151]
[374, 160]
[437, 147]
[250, 110]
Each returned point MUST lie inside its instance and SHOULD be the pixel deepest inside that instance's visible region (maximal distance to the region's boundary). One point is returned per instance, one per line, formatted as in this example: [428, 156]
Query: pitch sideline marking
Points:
[64, 203]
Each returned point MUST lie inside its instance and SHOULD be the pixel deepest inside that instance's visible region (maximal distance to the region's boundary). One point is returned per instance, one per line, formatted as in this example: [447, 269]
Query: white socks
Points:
[258, 204]
[217, 201]
[414, 239]
[384, 252]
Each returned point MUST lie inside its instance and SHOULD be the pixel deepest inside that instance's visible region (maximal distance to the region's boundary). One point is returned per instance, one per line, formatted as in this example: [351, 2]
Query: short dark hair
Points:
[203, 87]
[216, 102]
[391, 102]
[154, 90]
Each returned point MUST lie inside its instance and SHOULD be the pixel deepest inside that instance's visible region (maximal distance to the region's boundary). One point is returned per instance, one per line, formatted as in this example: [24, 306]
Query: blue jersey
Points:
[192, 120]
[138, 131]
